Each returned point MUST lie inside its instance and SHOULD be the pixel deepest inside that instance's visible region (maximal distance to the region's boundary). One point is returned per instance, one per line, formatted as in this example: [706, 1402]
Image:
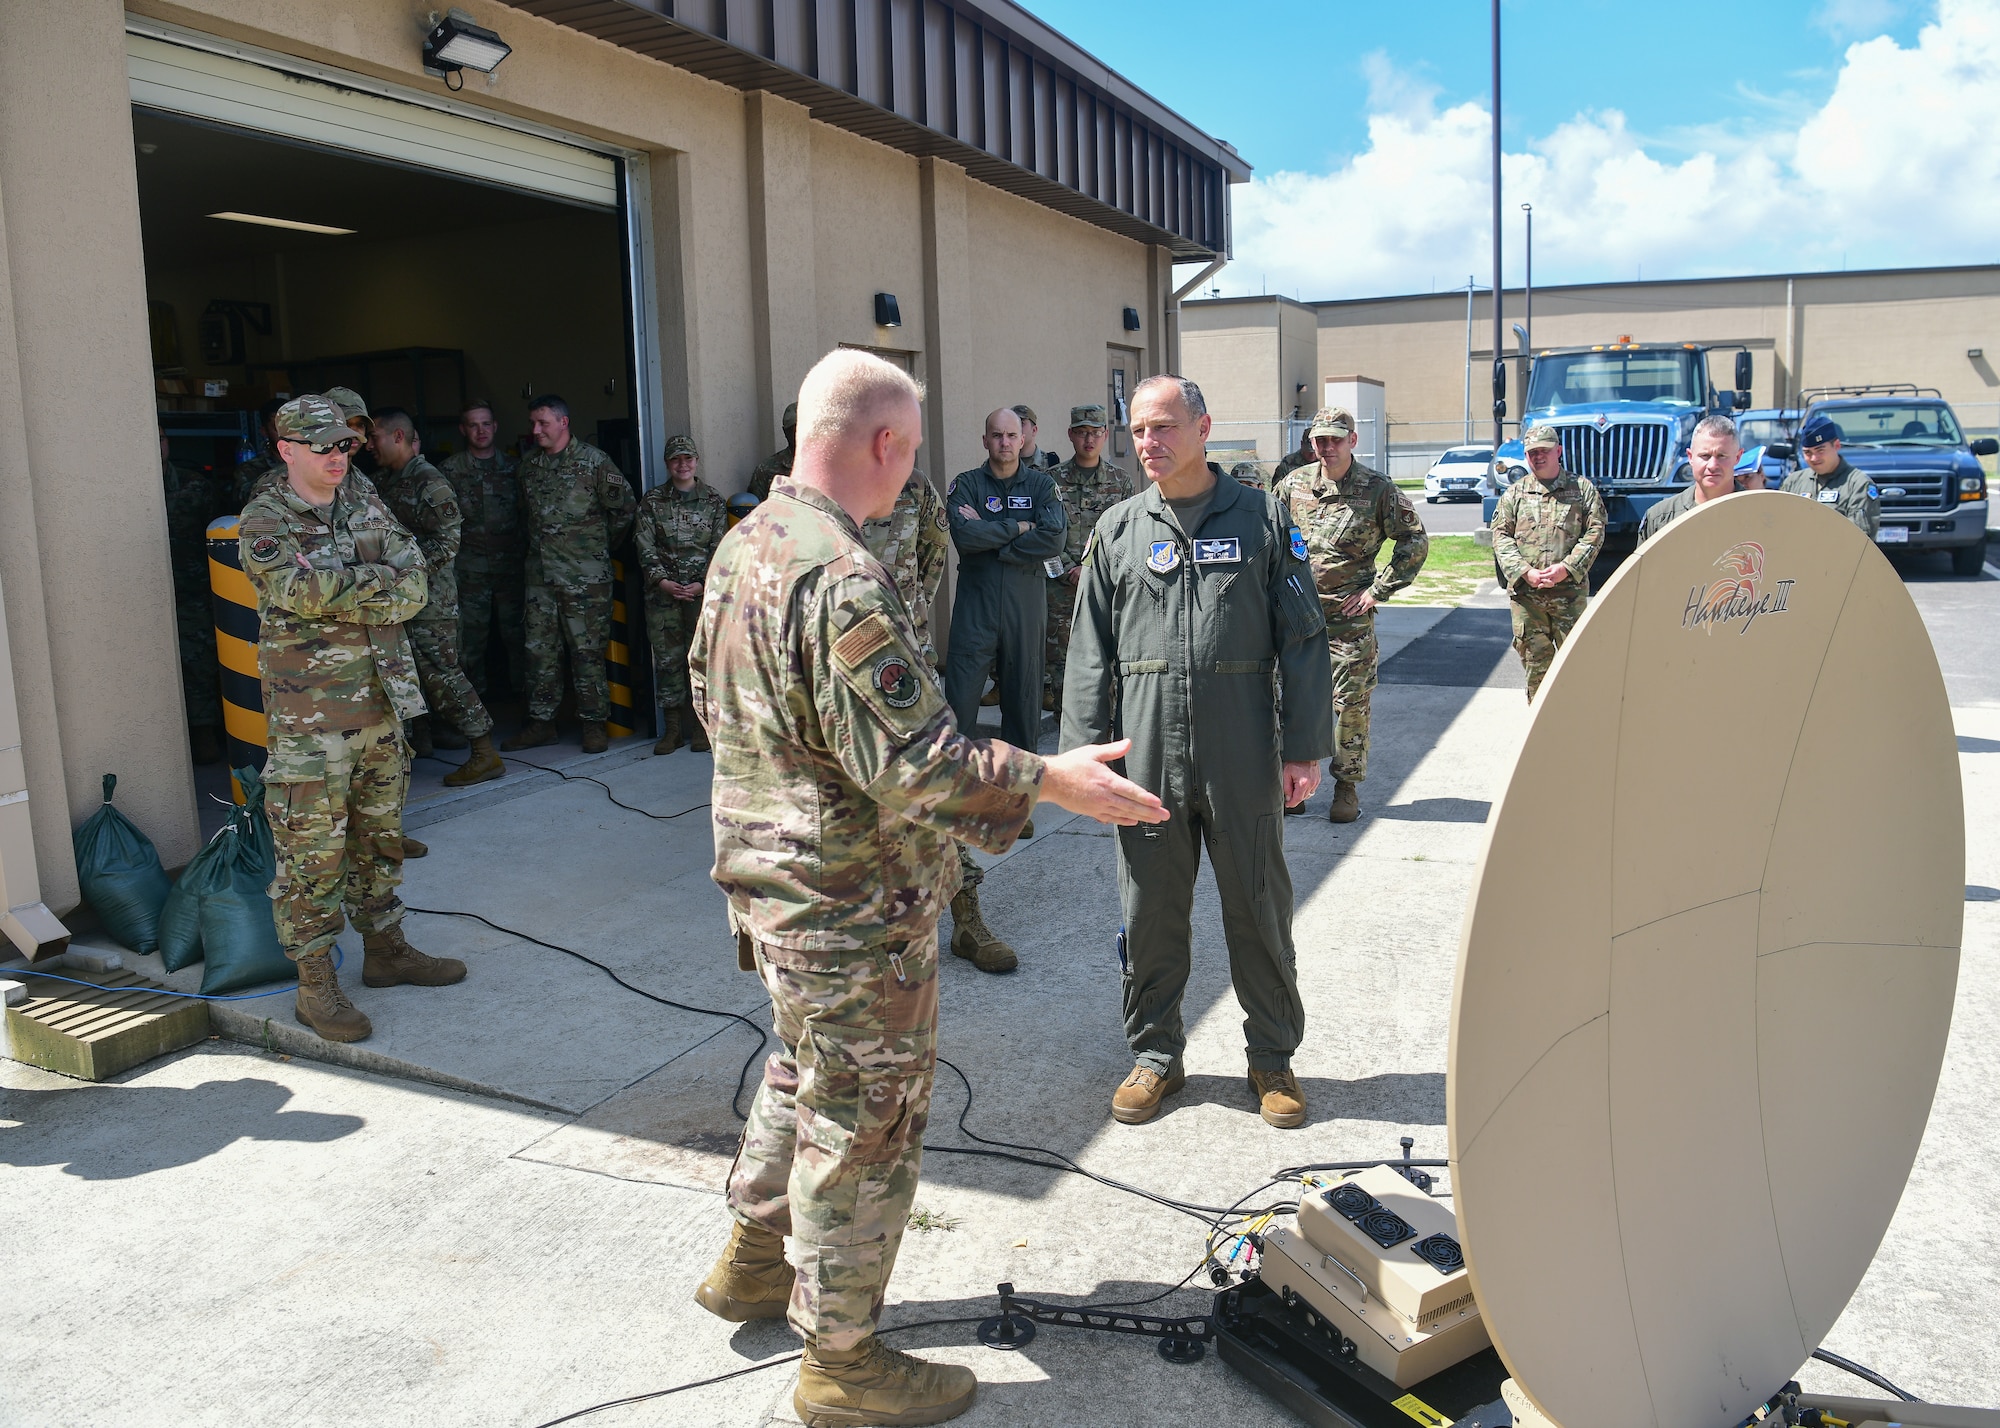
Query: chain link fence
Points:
[1402, 450]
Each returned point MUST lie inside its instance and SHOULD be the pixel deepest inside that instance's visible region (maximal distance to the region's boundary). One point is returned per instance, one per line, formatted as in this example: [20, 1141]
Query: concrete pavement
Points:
[279, 1239]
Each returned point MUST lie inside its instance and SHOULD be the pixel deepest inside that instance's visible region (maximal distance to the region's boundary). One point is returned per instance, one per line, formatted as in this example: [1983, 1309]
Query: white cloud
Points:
[1897, 168]
[1851, 19]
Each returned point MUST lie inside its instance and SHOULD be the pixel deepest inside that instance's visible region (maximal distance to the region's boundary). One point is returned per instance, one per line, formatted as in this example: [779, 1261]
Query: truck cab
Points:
[1626, 412]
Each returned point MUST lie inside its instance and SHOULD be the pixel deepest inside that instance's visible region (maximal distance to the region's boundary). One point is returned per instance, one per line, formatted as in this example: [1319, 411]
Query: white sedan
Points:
[1459, 474]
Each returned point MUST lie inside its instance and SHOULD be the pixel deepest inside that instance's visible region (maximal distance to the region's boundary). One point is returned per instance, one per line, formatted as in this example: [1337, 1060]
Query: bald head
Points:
[860, 423]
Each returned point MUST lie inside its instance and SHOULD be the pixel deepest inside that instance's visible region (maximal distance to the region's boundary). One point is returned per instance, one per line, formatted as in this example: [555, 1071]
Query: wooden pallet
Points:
[95, 1032]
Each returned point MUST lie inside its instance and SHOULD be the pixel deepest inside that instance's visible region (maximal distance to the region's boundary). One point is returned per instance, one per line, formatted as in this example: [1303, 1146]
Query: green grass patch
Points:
[924, 1221]
[1450, 576]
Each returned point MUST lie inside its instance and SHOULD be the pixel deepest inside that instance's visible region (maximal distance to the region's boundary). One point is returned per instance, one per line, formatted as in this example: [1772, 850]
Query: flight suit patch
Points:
[1020, 503]
[993, 503]
[1298, 544]
[866, 638]
[1163, 557]
[1226, 550]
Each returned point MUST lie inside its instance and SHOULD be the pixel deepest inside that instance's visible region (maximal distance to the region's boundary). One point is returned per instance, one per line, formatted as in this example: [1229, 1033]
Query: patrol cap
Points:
[1540, 436]
[349, 402]
[1094, 415]
[1026, 413]
[1332, 421]
[1819, 430]
[791, 416]
[311, 419]
[680, 446]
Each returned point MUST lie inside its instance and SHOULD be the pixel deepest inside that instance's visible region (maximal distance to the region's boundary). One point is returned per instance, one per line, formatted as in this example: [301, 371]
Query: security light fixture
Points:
[1131, 319]
[265, 221]
[887, 313]
[1975, 353]
[455, 43]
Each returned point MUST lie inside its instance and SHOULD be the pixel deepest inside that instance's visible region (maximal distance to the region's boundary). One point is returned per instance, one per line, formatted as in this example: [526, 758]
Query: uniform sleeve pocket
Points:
[1303, 616]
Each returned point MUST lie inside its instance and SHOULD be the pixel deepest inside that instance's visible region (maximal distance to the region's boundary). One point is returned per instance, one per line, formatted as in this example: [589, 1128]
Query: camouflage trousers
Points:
[1062, 611]
[1541, 623]
[446, 689]
[835, 1139]
[201, 673]
[970, 874]
[482, 600]
[335, 801]
[1350, 639]
[576, 624]
[669, 627]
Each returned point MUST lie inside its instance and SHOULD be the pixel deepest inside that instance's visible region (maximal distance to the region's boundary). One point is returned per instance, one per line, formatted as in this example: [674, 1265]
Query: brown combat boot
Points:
[1346, 802]
[1279, 1099]
[534, 734]
[595, 739]
[670, 731]
[973, 940]
[483, 764]
[1138, 1097]
[392, 962]
[323, 1006]
[751, 1280]
[872, 1383]
[697, 736]
[412, 848]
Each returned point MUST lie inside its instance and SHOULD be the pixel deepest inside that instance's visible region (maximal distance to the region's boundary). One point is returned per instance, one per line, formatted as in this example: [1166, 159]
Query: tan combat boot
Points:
[413, 848]
[595, 739]
[483, 764]
[1346, 802]
[1279, 1100]
[872, 1383]
[534, 734]
[697, 736]
[973, 940]
[323, 1006]
[1138, 1097]
[392, 962]
[751, 1280]
[670, 731]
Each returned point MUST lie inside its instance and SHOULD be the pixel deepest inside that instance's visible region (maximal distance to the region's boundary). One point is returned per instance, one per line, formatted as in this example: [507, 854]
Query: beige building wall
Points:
[1256, 361]
[769, 235]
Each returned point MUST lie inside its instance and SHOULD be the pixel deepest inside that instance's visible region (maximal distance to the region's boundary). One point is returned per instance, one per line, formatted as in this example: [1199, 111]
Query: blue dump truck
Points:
[1626, 412]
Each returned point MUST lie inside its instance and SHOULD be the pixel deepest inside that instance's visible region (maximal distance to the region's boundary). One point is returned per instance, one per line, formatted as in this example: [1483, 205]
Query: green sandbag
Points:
[180, 919]
[120, 872]
[239, 940]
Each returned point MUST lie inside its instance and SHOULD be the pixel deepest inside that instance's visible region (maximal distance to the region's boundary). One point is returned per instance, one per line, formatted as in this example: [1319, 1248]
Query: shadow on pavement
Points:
[113, 1132]
[1394, 1098]
[1468, 649]
[1440, 810]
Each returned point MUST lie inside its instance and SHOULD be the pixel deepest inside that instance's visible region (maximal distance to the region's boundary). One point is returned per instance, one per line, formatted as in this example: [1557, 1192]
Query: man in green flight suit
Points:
[1712, 453]
[1348, 511]
[1547, 530]
[1827, 478]
[1196, 600]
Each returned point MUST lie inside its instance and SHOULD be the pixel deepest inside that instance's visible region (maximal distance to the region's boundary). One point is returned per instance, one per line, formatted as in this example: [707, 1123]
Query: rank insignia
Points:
[1217, 552]
[1020, 503]
[1163, 557]
[1298, 544]
[993, 503]
[897, 681]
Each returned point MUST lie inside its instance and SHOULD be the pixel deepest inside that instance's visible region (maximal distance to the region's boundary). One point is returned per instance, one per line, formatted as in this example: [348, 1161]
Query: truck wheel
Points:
[1969, 560]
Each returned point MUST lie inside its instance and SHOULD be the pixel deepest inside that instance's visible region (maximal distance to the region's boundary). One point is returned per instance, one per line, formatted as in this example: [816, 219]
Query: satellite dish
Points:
[1695, 1031]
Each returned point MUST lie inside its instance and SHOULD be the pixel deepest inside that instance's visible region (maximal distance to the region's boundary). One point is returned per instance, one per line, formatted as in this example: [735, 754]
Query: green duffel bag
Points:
[120, 873]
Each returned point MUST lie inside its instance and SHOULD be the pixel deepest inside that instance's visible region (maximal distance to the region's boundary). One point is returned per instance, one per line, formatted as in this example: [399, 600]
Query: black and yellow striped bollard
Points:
[236, 632]
[623, 722]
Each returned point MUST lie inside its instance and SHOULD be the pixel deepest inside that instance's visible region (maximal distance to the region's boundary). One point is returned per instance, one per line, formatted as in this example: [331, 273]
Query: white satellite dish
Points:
[1707, 971]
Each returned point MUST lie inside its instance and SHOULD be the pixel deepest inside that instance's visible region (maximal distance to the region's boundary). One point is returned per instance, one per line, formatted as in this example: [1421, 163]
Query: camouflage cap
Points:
[1026, 413]
[680, 446]
[310, 419]
[1540, 436]
[349, 401]
[791, 417]
[1332, 421]
[1089, 416]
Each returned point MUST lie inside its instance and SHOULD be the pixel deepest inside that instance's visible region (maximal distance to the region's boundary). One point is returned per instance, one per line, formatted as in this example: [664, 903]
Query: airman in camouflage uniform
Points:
[680, 524]
[1089, 486]
[243, 479]
[833, 742]
[419, 496]
[778, 463]
[192, 502]
[336, 578]
[1547, 530]
[491, 548]
[1347, 511]
[577, 507]
[1304, 456]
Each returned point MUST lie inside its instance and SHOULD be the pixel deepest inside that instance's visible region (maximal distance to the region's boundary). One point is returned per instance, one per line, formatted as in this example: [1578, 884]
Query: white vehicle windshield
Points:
[1762, 431]
[1897, 424]
[1563, 379]
[1471, 456]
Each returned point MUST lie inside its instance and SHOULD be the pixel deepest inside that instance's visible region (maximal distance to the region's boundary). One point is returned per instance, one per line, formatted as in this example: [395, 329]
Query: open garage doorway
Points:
[277, 266]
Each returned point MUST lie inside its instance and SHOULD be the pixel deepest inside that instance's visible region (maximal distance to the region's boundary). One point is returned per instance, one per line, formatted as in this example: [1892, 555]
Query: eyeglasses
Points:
[345, 446]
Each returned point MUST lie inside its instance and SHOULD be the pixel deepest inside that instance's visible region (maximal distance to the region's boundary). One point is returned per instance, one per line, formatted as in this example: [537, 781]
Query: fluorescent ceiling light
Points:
[292, 223]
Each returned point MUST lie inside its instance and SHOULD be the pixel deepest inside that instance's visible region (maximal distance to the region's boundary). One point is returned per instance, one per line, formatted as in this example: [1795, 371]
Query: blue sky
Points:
[1674, 139]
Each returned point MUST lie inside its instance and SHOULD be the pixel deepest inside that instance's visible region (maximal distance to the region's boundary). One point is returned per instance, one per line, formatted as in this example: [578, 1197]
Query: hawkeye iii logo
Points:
[1738, 596]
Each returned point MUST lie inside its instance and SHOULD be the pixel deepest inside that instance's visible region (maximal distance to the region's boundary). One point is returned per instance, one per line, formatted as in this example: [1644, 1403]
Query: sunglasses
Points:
[345, 446]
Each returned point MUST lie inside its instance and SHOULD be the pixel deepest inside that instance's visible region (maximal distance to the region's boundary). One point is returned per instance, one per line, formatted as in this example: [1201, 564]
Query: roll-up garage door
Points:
[181, 79]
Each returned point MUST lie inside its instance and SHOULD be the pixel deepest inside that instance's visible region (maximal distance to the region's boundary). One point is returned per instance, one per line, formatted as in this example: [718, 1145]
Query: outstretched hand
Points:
[1080, 782]
[1301, 781]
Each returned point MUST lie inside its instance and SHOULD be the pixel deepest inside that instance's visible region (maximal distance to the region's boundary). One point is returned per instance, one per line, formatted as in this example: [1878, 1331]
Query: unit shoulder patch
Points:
[264, 547]
[898, 682]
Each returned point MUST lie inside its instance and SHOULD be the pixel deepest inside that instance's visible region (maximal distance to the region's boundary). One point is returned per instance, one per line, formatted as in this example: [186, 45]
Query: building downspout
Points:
[1791, 354]
[1174, 310]
[34, 931]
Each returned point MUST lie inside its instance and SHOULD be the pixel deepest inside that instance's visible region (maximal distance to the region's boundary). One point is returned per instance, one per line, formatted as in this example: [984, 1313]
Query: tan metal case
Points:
[1395, 1275]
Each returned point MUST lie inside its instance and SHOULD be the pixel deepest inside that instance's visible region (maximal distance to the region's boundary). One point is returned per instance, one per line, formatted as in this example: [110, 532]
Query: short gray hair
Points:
[1190, 394]
[848, 390]
[1716, 424]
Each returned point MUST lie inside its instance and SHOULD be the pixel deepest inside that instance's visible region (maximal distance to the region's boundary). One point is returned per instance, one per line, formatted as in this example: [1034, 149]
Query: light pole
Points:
[1528, 291]
[1470, 287]
[1499, 321]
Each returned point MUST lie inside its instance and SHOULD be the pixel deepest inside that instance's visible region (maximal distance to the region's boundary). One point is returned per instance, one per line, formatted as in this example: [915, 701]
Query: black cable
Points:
[1868, 1375]
[762, 1035]
[568, 777]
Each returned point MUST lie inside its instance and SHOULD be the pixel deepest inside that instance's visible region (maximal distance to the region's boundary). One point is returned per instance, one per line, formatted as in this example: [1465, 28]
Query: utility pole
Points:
[1470, 288]
[1528, 312]
[1499, 321]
